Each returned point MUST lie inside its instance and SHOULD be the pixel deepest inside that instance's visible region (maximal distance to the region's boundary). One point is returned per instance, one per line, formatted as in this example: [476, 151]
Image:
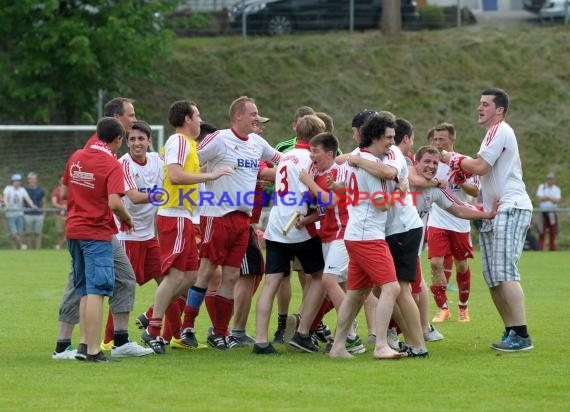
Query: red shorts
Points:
[177, 244]
[417, 284]
[444, 242]
[144, 257]
[225, 238]
[370, 264]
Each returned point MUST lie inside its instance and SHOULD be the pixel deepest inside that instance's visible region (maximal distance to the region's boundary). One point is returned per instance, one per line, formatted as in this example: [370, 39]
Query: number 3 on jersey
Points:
[283, 184]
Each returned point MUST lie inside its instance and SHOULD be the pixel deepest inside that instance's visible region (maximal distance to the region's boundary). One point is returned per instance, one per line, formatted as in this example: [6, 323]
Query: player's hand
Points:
[299, 223]
[343, 158]
[224, 170]
[354, 160]
[127, 225]
[457, 177]
[403, 185]
[493, 212]
[304, 177]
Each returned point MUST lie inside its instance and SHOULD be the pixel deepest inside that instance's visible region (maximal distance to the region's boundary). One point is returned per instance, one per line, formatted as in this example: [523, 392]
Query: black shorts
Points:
[252, 263]
[309, 253]
[404, 248]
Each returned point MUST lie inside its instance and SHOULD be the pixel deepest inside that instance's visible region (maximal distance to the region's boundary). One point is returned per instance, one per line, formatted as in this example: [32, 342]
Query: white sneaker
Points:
[67, 354]
[130, 349]
[433, 335]
[392, 337]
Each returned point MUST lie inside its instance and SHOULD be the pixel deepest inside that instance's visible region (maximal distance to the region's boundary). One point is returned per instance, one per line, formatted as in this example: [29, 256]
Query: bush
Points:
[431, 17]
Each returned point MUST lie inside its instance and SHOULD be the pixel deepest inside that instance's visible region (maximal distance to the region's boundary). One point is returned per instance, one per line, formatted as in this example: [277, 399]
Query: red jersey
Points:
[91, 175]
[333, 222]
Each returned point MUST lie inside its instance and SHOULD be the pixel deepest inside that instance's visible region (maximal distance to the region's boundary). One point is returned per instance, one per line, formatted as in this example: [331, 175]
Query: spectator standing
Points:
[34, 219]
[549, 195]
[14, 196]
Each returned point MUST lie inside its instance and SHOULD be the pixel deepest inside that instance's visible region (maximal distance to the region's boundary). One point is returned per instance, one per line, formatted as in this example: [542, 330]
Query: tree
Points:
[55, 55]
[391, 17]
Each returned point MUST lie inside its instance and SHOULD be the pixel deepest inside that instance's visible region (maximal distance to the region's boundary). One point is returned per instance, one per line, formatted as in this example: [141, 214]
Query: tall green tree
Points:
[55, 55]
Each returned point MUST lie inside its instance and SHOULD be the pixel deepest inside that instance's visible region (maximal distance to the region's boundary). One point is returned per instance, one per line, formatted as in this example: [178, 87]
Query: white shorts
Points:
[336, 259]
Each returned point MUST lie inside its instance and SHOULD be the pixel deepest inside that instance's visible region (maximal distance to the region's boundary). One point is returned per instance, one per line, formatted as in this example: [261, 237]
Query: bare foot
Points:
[387, 353]
[342, 353]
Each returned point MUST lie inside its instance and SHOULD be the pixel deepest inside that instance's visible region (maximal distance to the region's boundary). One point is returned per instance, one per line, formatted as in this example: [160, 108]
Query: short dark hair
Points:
[327, 140]
[374, 128]
[143, 127]
[403, 128]
[178, 112]
[303, 111]
[448, 127]
[109, 128]
[205, 130]
[500, 97]
[424, 150]
[327, 120]
[116, 106]
[430, 134]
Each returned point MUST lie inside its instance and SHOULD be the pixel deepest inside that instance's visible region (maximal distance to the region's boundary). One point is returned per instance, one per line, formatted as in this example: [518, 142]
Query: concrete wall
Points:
[502, 5]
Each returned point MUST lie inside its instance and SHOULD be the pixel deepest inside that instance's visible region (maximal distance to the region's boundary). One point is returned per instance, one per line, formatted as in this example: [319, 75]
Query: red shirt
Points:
[333, 222]
[91, 175]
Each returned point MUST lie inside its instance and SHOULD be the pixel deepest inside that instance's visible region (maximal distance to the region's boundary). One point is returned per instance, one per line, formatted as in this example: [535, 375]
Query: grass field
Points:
[462, 373]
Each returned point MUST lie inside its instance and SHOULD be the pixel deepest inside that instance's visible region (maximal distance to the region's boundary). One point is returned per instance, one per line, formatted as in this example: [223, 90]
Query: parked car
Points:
[275, 17]
[547, 8]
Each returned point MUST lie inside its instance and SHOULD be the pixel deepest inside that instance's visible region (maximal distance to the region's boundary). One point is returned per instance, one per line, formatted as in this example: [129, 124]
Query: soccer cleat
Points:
[413, 353]
[513, 343]
[188, 337]
[142, 321]
[107, 346]
[441, 315]
[433, 335]
[291, 326]
[371, 338]
[463, 314]
[243, 340]
[392, 338]
[268, 350]
[323, 332]
[278, 336]
[156, 343]
[304, 343]
[81, 354]
[130, 349]
[100, 357]
[68, 354]
[232, 342]
[355, 345]
[218, 342]
[179, 344]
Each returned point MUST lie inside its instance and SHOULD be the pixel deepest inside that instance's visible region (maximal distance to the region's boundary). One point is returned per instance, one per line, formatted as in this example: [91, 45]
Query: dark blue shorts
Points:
[92, 262]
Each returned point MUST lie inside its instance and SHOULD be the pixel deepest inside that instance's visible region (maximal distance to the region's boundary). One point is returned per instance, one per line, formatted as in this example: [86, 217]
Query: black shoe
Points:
[142, 321]
[233, 342]
[278, 336]
[217, 342]
[268, 350]
[304, 343]
[323, 332]
[188, 336]
[100, 357]
[156, 343]
[409, 351]
[81, 354]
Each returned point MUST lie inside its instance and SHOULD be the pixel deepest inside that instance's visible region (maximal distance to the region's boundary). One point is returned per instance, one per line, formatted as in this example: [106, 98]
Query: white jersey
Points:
[427, 197]
[236, 191]
[402, 215]
[504, 181]
[365, 220]
[15, 200]
[550, 191]
[290, 195]
[444, 220]
[144, 178]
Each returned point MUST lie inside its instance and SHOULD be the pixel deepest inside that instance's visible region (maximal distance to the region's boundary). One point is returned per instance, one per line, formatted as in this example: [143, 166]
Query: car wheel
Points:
[279, 25]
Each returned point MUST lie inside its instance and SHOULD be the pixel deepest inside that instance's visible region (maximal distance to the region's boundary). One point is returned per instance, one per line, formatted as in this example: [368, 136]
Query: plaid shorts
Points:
[502, 240]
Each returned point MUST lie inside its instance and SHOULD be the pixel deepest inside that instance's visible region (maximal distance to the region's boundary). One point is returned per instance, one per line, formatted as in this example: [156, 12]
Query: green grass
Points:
[461, 374]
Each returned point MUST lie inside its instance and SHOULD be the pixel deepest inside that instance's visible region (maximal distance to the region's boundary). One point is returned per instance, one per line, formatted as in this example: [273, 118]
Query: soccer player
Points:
[93, 184]
[300, 241]
[179, 254]
[449, 235]
[502, 239]
[225, 220]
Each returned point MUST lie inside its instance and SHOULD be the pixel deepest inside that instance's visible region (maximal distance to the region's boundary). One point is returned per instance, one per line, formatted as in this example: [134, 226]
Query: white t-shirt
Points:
[14, 199]
[365, 220]
[551, 191]
[428, 197]
[289, 195]
[402, 215]
[444, 220]
[144, 178]
[505, 179]
[228, 193]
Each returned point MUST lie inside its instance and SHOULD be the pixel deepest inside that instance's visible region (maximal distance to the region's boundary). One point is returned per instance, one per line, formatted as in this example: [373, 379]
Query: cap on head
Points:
[360, 117]
[16, 177]
[262, 119]
[550, 176]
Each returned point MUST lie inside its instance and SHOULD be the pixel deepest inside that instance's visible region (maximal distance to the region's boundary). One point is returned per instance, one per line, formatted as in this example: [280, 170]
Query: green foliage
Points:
[190, 21]
[431, 17]
[56, 55]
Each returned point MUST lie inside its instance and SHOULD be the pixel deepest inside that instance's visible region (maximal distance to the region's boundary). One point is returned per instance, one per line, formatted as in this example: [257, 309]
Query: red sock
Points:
[224, 309]
[172, 321]
[109, 328]
[155, 326]
[464, 286]
[439, 295]
[447, 266]
[325, 308]
[210, 301]
[190, 315]
[149, 311]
